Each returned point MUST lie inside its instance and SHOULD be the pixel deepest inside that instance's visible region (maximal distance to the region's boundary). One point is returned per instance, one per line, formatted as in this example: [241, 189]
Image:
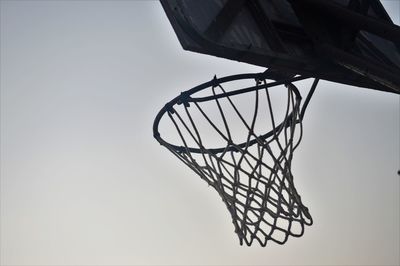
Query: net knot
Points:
[184, 99]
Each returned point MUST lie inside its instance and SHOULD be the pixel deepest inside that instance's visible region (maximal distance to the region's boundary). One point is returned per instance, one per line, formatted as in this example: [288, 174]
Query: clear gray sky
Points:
[83, 182]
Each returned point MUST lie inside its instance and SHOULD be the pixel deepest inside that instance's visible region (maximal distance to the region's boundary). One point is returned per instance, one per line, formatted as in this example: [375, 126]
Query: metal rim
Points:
[184, 97]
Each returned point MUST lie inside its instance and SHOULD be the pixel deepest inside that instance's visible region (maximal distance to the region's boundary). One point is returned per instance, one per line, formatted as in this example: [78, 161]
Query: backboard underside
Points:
[347, 41]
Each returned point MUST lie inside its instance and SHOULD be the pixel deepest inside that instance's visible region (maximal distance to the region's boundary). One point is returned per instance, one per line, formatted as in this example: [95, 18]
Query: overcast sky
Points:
[83, 182]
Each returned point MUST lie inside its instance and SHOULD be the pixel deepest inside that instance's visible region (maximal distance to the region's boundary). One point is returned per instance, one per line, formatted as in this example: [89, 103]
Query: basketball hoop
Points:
[252, 175]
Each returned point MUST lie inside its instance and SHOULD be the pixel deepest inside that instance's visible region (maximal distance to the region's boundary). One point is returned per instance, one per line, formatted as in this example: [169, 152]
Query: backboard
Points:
[346, 41]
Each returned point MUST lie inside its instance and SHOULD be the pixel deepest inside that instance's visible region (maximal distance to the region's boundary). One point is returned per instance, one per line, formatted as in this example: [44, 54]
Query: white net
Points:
[240, 150]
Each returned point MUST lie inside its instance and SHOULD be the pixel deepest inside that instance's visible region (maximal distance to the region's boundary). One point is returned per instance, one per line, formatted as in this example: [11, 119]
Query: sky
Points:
[83, 182]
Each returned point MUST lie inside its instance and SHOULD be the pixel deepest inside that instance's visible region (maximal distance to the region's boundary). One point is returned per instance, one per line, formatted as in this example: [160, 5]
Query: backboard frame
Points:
[329, 60]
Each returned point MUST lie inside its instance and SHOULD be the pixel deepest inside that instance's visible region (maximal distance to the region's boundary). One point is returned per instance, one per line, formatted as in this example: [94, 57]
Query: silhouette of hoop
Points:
[252, 176]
